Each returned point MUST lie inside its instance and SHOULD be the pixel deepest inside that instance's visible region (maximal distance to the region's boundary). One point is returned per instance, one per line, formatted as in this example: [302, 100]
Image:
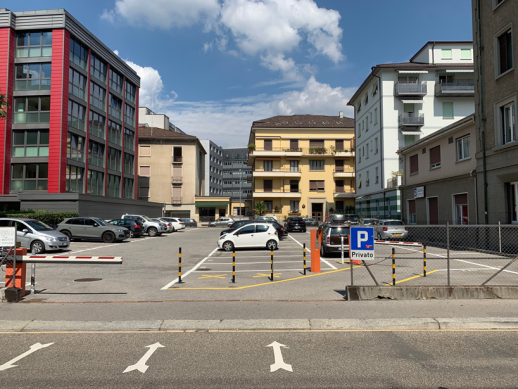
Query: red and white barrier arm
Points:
[390, 242]
[58, 259]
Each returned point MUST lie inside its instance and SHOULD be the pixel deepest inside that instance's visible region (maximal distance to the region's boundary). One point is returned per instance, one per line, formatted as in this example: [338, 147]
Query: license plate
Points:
[398, 234]
[64, 244]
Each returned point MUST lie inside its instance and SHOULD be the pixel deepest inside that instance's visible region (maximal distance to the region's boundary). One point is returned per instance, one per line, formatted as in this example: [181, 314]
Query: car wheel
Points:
[322, 251]
[132, 234]
[304, 231]
[174, 230]
[271, 245]
[152, 231]
[68, 234]
[37, 247]
[108, 237]
[228, 246]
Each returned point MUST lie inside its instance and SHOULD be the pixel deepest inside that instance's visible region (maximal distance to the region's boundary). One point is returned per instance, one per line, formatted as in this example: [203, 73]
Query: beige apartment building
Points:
[303, 165]
[440, 177]
[171, 170]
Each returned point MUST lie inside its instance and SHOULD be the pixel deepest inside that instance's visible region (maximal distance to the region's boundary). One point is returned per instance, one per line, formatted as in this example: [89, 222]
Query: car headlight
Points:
[222, 236]
[120, 230]
[51, 239]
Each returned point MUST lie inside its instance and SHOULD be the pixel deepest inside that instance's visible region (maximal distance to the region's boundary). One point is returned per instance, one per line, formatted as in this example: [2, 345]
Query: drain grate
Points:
[88, 279]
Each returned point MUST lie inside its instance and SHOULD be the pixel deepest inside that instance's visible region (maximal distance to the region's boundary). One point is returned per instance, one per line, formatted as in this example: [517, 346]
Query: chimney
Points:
[341, 114]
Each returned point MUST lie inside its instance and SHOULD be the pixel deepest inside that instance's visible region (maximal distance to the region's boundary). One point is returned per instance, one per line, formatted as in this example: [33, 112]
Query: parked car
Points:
[349, 218]
[92, 228]
[267, 218]
[310, 222]
[390, 229]
[234, 226]
[135, 227]
[295, 224]
[36, 236]
[331, 241]
[151, 227]
[250, 235]
[369, 222]
[190, 222]
[222, 222]
[168, 225]
[176, 223]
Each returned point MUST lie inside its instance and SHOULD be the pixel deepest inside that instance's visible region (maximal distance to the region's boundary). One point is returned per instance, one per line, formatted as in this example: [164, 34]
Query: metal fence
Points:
[444, 255]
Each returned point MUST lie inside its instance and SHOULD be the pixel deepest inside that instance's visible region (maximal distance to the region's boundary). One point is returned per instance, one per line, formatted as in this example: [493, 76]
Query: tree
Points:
[3, 106]
[260, 208]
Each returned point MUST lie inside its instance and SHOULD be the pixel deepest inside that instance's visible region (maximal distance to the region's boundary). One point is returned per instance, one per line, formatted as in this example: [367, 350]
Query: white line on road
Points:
[33, 348]
[322, 259]
[249, 271]
[279, 361]
[190, 271]
[251, 263]
[141, 364]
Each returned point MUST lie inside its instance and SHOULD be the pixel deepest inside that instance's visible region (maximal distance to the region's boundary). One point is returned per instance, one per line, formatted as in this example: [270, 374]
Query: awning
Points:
[460, 71]
[412, 71]
[412, 132]
[412, 101]
[211, 204]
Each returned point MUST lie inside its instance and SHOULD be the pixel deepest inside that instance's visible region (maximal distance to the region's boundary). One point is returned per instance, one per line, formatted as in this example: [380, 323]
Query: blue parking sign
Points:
[362, 243]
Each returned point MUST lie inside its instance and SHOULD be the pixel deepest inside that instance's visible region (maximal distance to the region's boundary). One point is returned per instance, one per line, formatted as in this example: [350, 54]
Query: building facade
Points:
[70, 128]
[496, 96]
[440, 178]
[147, 118]
[213, 168]
[237, 180]
[171, 170]
[398, 104]
[303, 165]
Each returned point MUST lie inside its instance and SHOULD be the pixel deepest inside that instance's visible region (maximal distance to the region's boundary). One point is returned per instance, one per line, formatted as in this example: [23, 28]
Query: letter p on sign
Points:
[362, 237]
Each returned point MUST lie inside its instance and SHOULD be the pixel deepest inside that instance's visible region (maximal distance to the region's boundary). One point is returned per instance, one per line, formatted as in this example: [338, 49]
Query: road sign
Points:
[362, 243]
[7, 236]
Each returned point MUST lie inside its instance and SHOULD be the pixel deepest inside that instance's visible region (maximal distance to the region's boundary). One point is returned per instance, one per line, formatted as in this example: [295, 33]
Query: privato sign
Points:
[361, 243]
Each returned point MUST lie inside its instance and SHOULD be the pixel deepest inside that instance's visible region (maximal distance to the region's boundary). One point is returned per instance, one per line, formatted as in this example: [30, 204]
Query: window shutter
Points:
[411, 207]
[268, 185]
[339, 145]
[447, 110]
[316, 143]
[312, 185]
[461, 199]
[177, 192]
[268, 144]
[339, 186]
[144, 191]
[435, 156]
[145, 171]
[294, 144]
[321, 185]
[414, 164]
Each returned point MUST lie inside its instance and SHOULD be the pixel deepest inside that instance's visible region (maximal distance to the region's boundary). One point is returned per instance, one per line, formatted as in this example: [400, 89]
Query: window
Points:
[75, 147]
[131, 92]
[129, 115]
[114, 185]
[116, 81]
[375, 145]
[267, 166]
[76, 115]
[461, 208]
[115, 106]
[114, 159]
[269, 205]
[377, 176]
[435, 157]
[463, 148]
[366, 125]
[375, 115]
[316, 165]
[267, 185]
[414, 164]
[294, 206]
[294, 186]
[268, 144]
[339, 144]
[32, 109]
[78, 53]
[294, 145]
[465, 53]
[294, 166]
[446, 54]
[97, 125]
[33, 76]
[316, 185]
[360, 181]
[98, 68]
[31, 143]
[114, 133]
[95, 182]
[75, 179]
[316, 143]
[76, 84]
[447, 110]
[34, 44]
[95, 154]
[29, 176]
[129, 139]
[375, 89]
[513, 203]
[129, 163]
[505, 52]
[367, 181]
[366, 99]
[412, 216]
[339, 186]
[145, 171]
[359, 107]
[508, 123]
[367, 152]
[128, 186]
[97, 96]
[143, 191]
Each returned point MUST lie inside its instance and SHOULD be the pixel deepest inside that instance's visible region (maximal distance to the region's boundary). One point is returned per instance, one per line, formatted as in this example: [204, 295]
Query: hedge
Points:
[50, 218]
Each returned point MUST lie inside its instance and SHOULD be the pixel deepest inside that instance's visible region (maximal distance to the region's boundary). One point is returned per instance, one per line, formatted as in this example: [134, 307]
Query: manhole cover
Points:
[88, 279]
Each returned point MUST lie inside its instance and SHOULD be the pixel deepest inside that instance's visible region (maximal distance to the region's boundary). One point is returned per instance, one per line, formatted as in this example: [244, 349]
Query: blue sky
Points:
[214, 66]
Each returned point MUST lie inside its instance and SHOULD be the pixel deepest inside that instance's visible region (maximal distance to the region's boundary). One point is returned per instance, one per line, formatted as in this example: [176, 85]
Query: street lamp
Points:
[240, 192]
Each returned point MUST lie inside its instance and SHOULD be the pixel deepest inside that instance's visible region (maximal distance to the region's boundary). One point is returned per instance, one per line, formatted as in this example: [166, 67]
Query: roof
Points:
[440, 43]
[160, 133]
[304, 121]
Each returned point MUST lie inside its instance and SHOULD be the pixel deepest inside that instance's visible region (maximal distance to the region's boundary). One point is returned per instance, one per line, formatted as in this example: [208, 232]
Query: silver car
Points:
[36, 236]
[390, 229]
[92, 228]
[222, 222]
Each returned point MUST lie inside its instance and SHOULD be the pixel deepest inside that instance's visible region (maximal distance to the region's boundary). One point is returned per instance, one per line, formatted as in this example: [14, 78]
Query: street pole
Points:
[240, 193]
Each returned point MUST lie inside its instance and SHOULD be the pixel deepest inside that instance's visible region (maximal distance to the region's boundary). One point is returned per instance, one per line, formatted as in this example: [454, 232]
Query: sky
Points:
[215, 66]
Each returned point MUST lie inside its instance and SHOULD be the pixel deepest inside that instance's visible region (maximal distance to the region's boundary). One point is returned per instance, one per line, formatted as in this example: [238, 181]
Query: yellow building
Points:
[303, 165]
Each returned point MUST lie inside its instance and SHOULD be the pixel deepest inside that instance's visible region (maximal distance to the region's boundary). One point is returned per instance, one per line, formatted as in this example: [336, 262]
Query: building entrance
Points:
[317, 211]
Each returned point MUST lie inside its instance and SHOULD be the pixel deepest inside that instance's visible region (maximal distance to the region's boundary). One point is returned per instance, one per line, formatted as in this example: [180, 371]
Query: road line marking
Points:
[275, 275]
[246, 271]
[321, 259]
[279, 361]
[205, 276]
[190, 271]
[35, 347]
[410, 278]
[141, 364]
[252, 263]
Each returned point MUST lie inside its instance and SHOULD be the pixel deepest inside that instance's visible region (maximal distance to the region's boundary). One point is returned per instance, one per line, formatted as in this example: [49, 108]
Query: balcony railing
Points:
[176, 179]
[310, 150]
[287, 190]
[96, 160]
[411, 120]
[410, 89]
[343, 190]
[175, 159]
[457, 88]
[393, 182]
[343, 169]
[281, 170]
[176, 200]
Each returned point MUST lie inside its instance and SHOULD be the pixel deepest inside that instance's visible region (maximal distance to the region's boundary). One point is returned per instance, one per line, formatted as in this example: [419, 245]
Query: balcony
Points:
[282, 172]
[455, 89]
[176, 180]
[176, 200]
[393, 182]
[411, 120]
[175, 159]
[343, 172]
[276, 193]
[343, 193]
[320, 151]
[410, 89]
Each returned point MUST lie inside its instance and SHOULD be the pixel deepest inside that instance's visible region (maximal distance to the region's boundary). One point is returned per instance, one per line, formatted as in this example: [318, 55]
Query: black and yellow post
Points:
[180, 265]
[424, 260]
[271, 265]
[393, 266]
[234, 266]
[304, 258]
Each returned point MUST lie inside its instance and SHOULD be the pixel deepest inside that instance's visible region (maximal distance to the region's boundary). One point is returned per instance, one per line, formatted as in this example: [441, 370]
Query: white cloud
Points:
[278, 63]
[108, 15]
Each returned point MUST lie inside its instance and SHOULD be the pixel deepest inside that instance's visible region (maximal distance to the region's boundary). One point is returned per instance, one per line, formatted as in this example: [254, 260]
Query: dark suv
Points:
[295, 224]
[331, 242]
[135, 227]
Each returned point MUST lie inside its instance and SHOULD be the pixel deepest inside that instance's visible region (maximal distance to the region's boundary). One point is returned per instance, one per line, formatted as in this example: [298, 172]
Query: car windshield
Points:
[296, 219]
[37, 225]
[339, 230]
[146, 218]
[100, 222]
[394, 223]
[352, 218]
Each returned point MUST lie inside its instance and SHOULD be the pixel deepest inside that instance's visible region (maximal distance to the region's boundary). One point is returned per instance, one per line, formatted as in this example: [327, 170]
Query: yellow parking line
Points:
[205, 276]
[275, 275]
[411, 278]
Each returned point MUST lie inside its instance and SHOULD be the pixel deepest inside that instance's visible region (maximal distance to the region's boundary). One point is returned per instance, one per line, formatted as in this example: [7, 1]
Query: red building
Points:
[69, 138]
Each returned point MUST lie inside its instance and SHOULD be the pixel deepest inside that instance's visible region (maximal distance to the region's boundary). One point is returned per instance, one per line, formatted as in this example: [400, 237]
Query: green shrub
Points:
[50, 218]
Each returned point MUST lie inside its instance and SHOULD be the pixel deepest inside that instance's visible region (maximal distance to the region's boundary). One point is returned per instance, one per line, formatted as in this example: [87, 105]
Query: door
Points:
[339, 165]
[294, 166]
[245, 238]
[89, 231]
[268, 144]
[222, 213]
[77, 226]
[433, 210]
[268, 185]
[317, 210]
[23, 237]
[261, 235]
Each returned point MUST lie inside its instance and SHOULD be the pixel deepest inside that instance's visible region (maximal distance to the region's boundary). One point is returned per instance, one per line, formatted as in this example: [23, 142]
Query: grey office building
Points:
[213, 168]
[237, 179]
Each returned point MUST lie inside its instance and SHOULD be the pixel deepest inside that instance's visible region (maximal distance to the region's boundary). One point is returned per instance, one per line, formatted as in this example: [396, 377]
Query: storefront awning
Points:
[211, 204]
[411, 132]
[460, 71]
[412, 101]
[412, 71]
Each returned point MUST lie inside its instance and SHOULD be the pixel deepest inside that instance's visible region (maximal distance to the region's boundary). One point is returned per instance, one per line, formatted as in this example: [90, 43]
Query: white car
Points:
[250, 235]
[176, 224]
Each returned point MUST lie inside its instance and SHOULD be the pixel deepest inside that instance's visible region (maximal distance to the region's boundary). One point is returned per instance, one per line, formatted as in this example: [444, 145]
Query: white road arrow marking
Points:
[279, 362]
[141, 364]
[33, 348]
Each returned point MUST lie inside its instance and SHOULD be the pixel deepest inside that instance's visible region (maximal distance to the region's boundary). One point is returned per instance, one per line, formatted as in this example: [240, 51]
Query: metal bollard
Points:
[234, 266]
[179, 265]
[393, 266]
[271, 265]
[304, 258]
[33, 275]
[424, 260]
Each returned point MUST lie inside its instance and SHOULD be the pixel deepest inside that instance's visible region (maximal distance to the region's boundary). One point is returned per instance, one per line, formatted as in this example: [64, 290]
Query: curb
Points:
[412, 324]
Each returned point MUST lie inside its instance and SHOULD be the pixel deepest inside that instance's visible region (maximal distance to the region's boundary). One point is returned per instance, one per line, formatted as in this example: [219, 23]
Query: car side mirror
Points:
[25, 231]
[96, 225]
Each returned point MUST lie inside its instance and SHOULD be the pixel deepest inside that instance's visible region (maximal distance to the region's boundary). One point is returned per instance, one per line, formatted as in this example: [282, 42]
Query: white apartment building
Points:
[147, 118]
[398, 104]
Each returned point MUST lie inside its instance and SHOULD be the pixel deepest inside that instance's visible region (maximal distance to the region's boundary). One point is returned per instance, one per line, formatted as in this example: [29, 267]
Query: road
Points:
[403, 359]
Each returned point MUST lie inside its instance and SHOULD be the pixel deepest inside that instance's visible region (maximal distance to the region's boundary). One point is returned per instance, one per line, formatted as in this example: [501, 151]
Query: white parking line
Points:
[321, 259]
